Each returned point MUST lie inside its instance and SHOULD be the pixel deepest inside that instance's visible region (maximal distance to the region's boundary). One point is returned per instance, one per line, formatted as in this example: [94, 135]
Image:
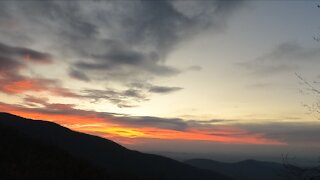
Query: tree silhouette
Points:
[297, 172]
[313, 90]
[317, 37]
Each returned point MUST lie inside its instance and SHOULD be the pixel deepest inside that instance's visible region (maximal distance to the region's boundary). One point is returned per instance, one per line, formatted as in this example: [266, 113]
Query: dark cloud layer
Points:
[25, 53]
[122, 42]
[144, 32]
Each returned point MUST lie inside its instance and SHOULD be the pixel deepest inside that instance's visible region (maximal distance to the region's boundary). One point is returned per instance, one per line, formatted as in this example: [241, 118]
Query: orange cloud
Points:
[91, 123]
[192, 135]
[51, 116]
[22, 86]
[36, 85]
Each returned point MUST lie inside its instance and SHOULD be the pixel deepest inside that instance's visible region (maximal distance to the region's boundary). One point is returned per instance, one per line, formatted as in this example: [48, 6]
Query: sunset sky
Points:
[179, 76]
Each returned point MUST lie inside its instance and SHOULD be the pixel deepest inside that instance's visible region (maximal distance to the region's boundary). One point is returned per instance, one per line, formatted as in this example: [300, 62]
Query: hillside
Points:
[51, 147]
[243, 170]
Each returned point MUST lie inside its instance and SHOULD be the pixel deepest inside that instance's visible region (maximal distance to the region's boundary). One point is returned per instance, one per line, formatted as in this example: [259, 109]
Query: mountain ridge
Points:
[105, 153]
[249, 169]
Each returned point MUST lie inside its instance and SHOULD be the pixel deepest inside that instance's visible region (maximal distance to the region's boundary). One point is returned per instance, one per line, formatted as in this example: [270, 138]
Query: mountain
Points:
[47, 146]
[244, 170]
[26, 158]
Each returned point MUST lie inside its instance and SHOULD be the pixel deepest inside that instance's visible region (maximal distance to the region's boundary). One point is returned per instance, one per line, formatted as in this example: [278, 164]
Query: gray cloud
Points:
[78, 75]
[164, 89]
[290, 132]
[106, 35]
[282, 51]
[147, 121]
[119, 41]
[137, 92]
[265, 68]
[118, 58]
[123, 99]
[25, 53]
[285, 57]
[154, 88]
[36, 102]
[9, 66]
[177, 124]
[146, 32]
[15, 59]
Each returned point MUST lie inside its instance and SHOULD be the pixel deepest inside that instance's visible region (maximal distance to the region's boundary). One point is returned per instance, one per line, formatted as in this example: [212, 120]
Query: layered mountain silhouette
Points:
[35, 149]
[244, 170]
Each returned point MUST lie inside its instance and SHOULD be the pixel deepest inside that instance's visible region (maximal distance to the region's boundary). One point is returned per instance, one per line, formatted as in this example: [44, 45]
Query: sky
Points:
[214, 77]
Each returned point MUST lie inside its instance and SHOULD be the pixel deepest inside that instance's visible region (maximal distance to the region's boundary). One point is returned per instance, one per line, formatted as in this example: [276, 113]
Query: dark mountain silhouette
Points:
[244, 170]
[25, 158]
[51, 148]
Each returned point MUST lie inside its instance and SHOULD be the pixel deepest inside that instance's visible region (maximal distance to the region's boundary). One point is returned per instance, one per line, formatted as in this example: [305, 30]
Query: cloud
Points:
[285, 57]
[290, 132]
[24, 53]
[281, 52]
[26, 84]
[118, 41]
[148, 31]
[15, 60]
[43, 103]
[266, 68]
[43, 107]
[123, 99]
[130, 97]
[164, 89]
[292, 51]
[112, 125]
[147, 121]
[154, 88]
[78, 75]
[153, 127]
[9, 67]
[21, 86]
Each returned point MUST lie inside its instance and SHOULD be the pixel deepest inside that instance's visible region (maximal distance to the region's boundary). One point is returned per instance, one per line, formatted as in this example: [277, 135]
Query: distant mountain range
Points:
[35, 149]
[244, 170]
